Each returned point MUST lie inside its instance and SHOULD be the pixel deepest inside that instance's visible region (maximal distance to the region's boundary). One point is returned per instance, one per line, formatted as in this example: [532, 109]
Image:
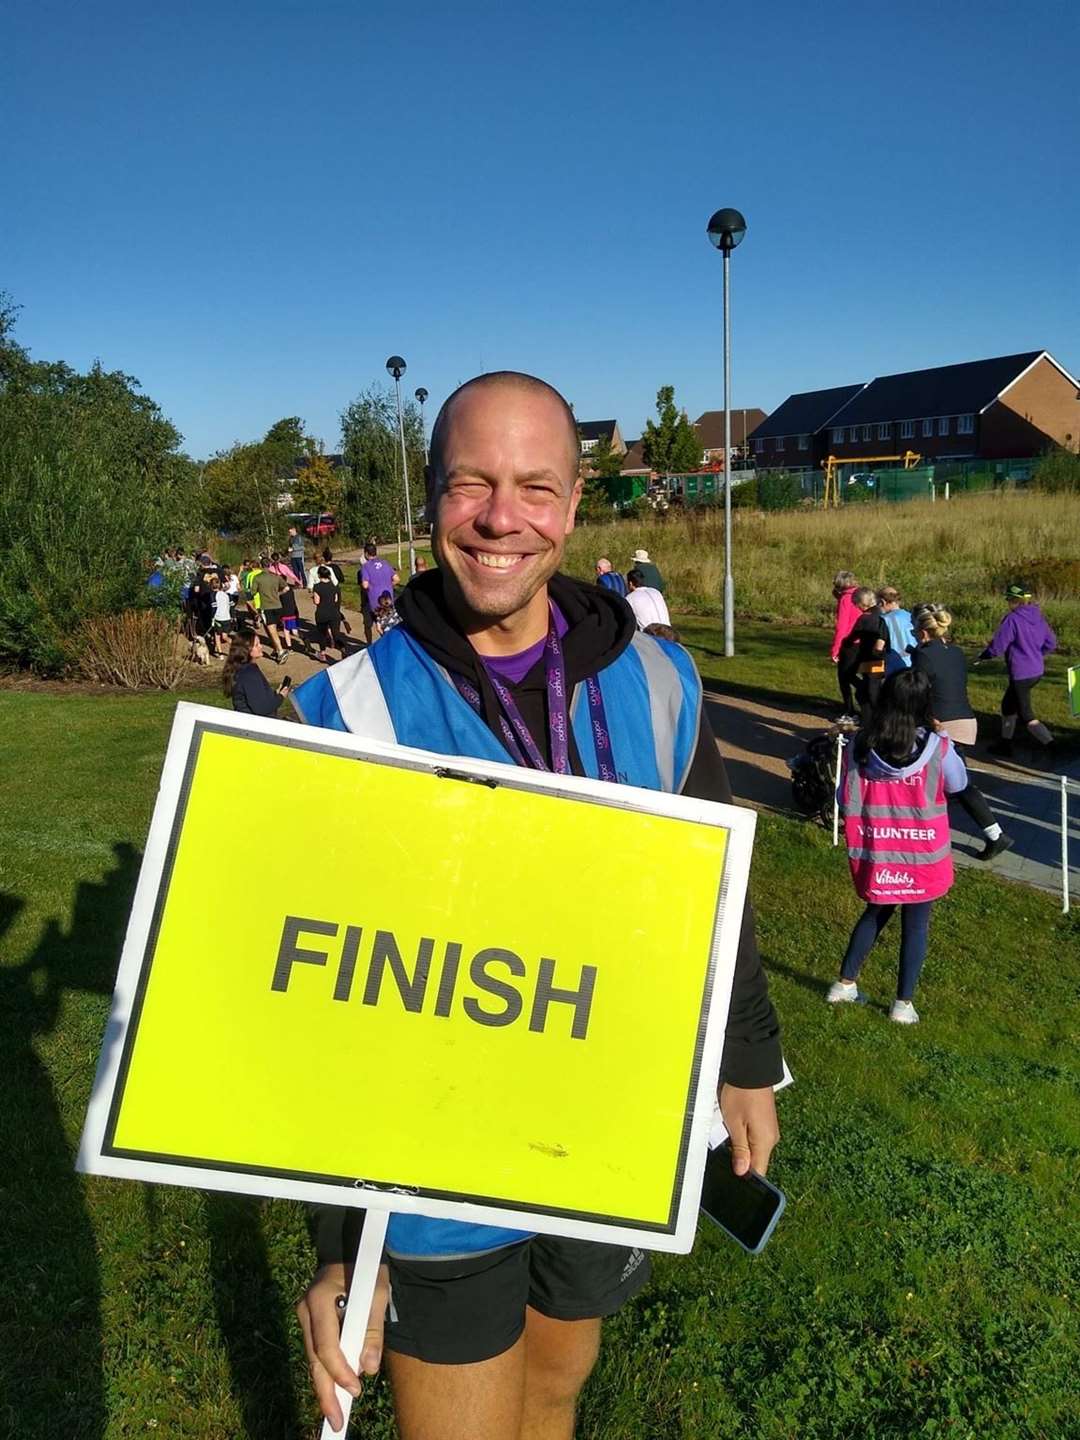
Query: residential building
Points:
[710, 426]
[592, 432]
[795, 437]
[1011, 406]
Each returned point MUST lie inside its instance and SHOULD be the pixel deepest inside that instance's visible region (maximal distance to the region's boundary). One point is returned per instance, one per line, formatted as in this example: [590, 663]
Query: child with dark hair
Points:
[386, 617]
[895, 782]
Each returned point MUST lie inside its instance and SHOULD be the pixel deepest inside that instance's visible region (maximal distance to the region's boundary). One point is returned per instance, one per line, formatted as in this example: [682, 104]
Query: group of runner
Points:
[905, 763]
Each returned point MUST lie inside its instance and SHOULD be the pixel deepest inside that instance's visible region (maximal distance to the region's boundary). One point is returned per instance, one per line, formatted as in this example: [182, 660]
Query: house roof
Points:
[710, 426]
[633, 459]
[596, 429]
[806, 413]
[945, 390]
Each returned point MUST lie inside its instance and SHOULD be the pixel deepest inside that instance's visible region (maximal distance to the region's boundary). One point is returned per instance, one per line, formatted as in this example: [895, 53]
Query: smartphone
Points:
[746, 1207]
[286, 684]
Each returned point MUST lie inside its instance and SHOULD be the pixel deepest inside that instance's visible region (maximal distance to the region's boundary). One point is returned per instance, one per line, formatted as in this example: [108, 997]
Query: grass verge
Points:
[923, 1283]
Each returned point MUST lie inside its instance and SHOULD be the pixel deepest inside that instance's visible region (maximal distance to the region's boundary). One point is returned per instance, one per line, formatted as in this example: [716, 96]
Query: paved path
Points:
[758, 737]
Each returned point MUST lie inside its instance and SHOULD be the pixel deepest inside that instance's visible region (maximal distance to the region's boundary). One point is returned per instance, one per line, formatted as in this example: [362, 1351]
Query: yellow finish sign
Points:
[448, 986]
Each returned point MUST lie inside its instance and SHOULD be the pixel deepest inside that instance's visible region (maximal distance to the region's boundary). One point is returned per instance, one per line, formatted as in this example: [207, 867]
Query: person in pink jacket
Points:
[847, 612]
[896, 779]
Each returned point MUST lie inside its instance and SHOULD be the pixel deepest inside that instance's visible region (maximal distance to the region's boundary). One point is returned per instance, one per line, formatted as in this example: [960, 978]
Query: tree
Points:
[240, 490]
[374, 494]
[318, 486]
[602, 460]
[92, 487]
[670, 444]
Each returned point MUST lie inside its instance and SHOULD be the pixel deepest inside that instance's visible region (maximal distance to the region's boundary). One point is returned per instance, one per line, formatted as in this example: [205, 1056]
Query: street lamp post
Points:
[396, 367]
[421, 396]
[726, 229]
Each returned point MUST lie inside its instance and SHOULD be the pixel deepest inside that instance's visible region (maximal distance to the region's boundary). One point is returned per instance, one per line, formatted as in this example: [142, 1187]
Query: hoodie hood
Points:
[600, 625]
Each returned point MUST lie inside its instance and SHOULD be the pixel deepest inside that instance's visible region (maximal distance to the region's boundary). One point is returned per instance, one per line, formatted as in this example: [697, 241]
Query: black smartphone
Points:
[286, 684]
[746, 1207]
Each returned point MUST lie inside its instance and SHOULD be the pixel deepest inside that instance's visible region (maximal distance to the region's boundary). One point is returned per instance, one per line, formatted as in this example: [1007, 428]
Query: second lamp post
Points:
[726, 229]
[396, 367]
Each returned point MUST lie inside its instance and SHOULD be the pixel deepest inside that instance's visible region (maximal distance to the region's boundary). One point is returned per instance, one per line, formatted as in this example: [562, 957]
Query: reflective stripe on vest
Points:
[394, 691]
[875, 827]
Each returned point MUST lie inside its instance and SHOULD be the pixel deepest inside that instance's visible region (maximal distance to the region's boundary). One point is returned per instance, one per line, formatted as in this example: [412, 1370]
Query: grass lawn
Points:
[923, 1283]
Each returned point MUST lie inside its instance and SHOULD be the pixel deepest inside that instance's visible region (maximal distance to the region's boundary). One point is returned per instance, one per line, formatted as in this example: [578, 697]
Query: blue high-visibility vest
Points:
[394, 691]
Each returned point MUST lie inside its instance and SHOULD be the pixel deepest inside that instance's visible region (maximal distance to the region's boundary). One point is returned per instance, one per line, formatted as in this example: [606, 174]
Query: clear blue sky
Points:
[249, 206]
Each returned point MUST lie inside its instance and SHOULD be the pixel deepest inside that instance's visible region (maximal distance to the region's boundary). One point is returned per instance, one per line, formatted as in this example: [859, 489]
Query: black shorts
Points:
[458, 1312]
[270, 617]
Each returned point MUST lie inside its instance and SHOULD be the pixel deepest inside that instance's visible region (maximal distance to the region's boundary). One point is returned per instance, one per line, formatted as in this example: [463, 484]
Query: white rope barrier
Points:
[1064, 845]
[836, 792]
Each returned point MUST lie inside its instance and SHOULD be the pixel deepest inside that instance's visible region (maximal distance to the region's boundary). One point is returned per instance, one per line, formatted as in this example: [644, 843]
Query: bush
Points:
[136, 648]
[778, 490]
[1059, 473]
[78, 540]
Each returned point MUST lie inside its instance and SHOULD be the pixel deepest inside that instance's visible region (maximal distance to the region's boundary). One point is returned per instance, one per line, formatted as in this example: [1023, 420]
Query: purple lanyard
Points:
[515, 733]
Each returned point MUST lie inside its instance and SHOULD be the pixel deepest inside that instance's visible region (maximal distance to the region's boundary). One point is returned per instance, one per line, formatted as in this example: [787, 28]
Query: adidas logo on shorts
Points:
[636, 1257]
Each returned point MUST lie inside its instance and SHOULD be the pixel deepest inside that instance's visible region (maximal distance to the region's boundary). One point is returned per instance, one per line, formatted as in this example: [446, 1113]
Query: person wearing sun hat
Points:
[1022, 639]
[651, 575]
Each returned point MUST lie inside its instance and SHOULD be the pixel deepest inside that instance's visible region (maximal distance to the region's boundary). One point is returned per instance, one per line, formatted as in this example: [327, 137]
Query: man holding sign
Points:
[492, 1332]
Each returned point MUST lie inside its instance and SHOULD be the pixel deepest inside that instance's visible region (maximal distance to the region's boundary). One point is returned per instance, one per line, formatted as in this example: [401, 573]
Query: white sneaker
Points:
[840, 991]
[904, 1013]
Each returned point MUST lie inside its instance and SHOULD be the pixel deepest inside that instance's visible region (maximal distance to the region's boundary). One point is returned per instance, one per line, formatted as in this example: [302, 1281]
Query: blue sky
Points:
[250, 206]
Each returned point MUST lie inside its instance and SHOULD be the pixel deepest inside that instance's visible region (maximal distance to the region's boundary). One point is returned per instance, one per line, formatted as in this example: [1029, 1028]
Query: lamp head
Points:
[726, 230]
[421, 394]
[396, 366]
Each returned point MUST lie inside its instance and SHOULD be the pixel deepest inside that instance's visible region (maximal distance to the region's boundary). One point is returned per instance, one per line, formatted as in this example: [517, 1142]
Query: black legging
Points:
[1017, 699]
[973, 801]
[847, 675]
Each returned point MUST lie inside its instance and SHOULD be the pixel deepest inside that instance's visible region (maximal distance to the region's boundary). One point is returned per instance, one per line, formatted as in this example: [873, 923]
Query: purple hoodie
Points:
[1023, 637]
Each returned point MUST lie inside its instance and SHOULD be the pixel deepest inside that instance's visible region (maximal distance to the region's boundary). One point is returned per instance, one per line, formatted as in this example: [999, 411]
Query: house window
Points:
[907, 429]
[854, 434]
[866, 432]
[759, 447]
[965, 425]
[804, 442]
[883, 431]
[943, 425]
[838, 436]
[781, 441]
[587, 445]
[927, 428]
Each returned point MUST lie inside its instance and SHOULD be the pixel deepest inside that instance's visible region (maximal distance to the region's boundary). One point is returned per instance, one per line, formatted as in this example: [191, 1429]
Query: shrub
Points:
[1059, 472]
[134, 649]
[778, 490]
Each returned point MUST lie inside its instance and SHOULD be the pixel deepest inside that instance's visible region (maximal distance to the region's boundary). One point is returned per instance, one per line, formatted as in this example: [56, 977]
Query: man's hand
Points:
[320, 1320]
[835, 659]
[750, 1116]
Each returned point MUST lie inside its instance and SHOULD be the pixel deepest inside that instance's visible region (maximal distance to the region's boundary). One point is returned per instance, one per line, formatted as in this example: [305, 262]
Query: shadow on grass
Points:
[48, 1254]
[51, 1331]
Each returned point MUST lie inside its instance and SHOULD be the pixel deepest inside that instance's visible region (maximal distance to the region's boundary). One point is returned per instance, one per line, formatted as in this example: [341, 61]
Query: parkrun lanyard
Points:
[515, 733]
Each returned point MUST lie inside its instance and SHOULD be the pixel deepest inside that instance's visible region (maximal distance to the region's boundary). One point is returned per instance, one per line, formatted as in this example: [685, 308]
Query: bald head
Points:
[502, 380]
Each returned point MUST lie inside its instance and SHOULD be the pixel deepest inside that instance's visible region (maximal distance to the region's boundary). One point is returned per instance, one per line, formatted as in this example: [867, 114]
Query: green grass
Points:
[923, 1283]
[959, 554]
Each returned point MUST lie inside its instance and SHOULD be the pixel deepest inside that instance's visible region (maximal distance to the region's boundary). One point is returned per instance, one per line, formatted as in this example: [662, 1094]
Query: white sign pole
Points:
[836, 791]
[358, 1308]
[1064, 845]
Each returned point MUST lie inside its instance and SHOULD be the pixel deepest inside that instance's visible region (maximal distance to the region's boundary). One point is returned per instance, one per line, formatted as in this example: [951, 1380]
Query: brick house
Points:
[710, 426]
[1012, 406]
[795, 437]
[591, 432]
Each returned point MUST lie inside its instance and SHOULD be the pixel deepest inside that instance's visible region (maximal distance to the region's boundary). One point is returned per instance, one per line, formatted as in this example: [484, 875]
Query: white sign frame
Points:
[678, 1237]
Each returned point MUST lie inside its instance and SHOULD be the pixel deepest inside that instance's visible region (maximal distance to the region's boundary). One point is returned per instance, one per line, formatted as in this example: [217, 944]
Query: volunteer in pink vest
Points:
[896, 776]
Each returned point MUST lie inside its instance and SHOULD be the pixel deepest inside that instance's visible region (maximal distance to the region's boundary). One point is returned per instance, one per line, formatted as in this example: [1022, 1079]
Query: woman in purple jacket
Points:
[1023, 638]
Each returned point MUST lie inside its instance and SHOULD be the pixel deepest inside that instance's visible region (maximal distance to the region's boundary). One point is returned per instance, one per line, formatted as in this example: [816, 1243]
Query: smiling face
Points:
[503, 494]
